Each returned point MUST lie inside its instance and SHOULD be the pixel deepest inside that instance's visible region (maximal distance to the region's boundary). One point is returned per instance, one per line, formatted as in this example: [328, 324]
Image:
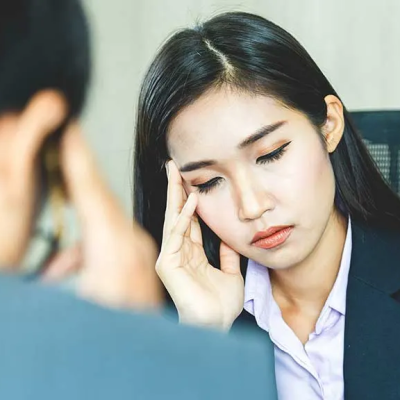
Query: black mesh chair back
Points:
[381, 133]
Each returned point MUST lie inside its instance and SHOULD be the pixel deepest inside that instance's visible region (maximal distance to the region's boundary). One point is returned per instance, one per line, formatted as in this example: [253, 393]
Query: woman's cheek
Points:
[219, 218]
[204, 210]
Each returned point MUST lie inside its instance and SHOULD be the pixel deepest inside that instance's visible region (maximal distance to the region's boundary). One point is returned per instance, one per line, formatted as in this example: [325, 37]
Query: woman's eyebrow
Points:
[192, 166]
[262, 132]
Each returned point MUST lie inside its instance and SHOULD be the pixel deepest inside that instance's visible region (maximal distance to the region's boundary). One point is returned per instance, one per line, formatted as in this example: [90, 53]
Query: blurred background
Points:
[354, 42]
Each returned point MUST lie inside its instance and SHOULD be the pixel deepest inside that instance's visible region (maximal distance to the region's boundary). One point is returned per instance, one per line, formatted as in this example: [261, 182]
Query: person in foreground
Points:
[275, 213]
[44, 75]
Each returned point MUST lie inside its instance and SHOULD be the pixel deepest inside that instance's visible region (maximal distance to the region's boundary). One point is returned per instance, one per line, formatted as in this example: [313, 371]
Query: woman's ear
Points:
[334, 126]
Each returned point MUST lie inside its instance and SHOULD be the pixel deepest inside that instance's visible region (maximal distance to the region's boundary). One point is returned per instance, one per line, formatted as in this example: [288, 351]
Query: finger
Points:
[88, 191]
[175, 197]
[230, 260]
[63, 265]
[189, 229]
[195, 230]
[41, 117]
[175, 239]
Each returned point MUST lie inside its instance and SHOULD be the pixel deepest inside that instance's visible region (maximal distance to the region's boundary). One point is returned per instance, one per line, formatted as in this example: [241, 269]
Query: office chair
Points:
[381, 133]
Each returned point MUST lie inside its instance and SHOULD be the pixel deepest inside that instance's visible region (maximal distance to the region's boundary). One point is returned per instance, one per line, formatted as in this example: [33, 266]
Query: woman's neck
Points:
[306, 287]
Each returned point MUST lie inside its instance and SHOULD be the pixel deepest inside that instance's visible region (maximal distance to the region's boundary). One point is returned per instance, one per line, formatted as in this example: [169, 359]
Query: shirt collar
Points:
[258, 298]
[337, 297]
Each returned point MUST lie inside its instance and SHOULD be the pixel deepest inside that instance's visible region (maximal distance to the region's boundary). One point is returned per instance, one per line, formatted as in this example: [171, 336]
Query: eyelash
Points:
[275, 155]
[204, 188]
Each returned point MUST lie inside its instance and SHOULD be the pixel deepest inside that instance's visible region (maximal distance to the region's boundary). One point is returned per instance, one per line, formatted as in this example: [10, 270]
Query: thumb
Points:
[230, 260]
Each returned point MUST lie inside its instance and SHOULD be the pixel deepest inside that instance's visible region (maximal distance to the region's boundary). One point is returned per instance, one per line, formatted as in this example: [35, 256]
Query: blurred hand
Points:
[202, 294]
[116, 258]
[21, 137]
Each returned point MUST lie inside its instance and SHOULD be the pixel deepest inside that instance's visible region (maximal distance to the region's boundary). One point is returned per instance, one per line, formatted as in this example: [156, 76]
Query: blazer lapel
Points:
[372, 332]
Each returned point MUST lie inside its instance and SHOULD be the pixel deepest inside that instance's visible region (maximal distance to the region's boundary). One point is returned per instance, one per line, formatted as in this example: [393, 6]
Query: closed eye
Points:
[273, 155]
[204, 188]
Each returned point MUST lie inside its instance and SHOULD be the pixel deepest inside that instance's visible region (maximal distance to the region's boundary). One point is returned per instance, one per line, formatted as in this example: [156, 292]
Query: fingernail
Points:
[167, 168]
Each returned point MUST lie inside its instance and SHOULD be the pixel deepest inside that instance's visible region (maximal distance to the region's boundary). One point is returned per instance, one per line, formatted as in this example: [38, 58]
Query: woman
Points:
[265, 164]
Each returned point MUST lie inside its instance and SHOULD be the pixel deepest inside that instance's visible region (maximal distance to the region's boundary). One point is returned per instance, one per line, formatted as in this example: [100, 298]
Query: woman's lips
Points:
[272, 237]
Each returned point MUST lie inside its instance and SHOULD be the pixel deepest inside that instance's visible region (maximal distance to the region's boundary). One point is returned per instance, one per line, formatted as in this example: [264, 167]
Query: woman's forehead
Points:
[221, 119]
[224, 111]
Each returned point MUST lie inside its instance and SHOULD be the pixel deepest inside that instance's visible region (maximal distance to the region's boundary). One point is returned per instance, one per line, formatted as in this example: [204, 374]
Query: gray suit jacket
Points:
[54, 346]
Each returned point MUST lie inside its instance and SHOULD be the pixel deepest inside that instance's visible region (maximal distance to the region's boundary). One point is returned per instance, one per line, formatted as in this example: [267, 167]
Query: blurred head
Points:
[44, 44]
[259, 133]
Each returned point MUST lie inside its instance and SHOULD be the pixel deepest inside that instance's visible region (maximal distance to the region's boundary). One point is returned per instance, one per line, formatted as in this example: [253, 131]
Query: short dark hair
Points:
[251, 54]
[43, 44]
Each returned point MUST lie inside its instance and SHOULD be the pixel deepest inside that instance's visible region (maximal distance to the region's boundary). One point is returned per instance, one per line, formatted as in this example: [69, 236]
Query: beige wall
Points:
[355, 42]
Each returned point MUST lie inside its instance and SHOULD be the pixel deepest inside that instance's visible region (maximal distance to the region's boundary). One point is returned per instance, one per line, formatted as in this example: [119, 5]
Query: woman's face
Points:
[263, 177]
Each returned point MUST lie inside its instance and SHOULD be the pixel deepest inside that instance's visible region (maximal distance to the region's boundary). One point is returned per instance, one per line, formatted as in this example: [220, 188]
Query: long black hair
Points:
[251, 54]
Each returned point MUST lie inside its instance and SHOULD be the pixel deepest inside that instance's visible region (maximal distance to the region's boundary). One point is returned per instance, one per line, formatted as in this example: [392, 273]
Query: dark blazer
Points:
[54, 346]
[372, 323]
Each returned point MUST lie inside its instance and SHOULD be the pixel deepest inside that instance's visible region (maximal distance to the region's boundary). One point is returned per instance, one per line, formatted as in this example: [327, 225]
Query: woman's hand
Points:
[203, 295]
